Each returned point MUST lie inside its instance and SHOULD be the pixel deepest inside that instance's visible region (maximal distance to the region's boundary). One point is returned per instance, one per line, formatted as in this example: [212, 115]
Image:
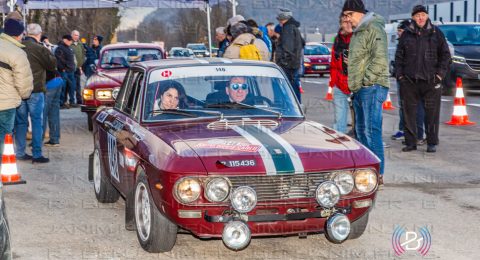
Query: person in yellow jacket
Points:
[16, 80]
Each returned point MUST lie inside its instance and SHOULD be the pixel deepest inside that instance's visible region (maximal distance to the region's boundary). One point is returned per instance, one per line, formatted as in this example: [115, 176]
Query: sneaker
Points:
[385, 145]
[409, 148]
[421, 142]
[398, 135]
[40, 160]
[25, 157]
[51, 144]
[431, 148]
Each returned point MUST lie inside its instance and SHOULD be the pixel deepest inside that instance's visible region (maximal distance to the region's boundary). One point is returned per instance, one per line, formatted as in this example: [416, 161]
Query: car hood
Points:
[468, 51]
[318, 58]
[107, 78]
[290, 147]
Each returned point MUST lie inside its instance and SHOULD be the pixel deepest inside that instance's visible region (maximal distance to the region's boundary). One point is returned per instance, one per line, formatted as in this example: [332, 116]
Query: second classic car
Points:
[220, 148]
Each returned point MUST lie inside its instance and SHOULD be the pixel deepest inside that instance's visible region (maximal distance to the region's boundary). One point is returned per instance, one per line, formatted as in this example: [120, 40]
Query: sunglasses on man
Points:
[237, 86]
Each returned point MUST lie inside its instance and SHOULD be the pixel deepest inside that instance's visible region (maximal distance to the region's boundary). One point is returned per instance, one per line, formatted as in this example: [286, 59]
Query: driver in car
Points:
[237, 89]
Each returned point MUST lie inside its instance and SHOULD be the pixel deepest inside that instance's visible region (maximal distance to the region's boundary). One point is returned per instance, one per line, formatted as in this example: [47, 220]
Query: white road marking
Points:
[446, 100]
[474, 105]
[314, 82]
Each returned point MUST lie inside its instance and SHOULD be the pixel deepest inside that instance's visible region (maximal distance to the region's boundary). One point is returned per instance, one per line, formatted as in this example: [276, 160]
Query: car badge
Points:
[166, 73]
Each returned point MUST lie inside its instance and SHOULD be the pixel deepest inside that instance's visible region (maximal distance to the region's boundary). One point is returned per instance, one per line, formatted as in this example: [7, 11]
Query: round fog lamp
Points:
[337, 228]
[327, 194]
[243, 199]
[217, 190]
[236, 235]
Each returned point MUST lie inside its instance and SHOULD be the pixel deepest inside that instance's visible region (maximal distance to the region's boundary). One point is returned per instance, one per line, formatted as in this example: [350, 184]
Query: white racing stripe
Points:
[266, 156]
[297, 162]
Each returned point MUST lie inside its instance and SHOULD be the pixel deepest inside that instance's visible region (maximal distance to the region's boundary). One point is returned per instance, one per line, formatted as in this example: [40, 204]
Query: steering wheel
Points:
[263, 100]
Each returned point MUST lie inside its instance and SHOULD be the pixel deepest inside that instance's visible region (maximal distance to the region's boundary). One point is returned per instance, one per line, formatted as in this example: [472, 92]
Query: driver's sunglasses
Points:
[236, 86]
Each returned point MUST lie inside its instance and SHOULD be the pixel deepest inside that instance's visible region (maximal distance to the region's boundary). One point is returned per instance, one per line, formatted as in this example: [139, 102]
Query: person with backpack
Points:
[245, 45]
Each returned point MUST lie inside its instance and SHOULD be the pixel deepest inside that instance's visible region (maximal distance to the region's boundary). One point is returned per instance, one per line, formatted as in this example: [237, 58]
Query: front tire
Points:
[358, 227]
[155, 233]
[104, 190]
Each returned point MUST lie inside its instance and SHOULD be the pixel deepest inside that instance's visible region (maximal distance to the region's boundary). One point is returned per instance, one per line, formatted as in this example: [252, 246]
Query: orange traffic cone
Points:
[459, 116]
[329, 96]
[387, 105]
[9, 170]
[301, 90]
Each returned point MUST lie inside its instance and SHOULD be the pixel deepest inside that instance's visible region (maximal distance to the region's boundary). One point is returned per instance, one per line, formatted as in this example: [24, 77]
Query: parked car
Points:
[328, 44]
[465, 38]
[5, 248]
[316, 59]
[220, 168]
[179, 52]
[110, 69]
[199, 49]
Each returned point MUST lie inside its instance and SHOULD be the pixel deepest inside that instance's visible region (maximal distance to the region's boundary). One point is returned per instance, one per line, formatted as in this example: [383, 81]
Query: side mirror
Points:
[115, 92]
[93, 67]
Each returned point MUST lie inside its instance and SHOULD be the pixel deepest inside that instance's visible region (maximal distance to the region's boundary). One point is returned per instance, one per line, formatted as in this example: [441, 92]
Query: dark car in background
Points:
[316, 59]
[110, 69]
[465, 38]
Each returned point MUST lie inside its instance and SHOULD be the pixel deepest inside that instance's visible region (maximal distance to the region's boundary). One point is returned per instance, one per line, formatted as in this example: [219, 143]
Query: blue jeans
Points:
[33, 107]
[420, 115]
[367, 104]
[294, 79]
[341, 108]
[70, 85]
[51, 113]
[7, 121]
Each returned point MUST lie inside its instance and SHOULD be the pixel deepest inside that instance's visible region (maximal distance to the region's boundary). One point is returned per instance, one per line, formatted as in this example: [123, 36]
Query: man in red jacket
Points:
[339, 75]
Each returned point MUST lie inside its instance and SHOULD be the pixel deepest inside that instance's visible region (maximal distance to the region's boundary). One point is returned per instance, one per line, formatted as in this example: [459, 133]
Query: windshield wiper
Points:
[235, 105]
[174, 112]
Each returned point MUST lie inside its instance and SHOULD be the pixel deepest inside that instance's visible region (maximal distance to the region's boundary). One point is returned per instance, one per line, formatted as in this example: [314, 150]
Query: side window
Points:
[133, 93]
[121, 95]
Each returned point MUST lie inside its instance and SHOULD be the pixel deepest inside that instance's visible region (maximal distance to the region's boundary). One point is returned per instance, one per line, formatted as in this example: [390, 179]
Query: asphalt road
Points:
[56, 216]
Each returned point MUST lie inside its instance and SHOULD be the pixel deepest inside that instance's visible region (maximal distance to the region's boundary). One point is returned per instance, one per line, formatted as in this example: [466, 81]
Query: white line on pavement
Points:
[445, 100]
[474, 105]
[314, 82]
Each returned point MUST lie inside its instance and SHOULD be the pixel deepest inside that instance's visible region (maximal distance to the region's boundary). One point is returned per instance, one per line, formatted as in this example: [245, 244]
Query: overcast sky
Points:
[131, 17]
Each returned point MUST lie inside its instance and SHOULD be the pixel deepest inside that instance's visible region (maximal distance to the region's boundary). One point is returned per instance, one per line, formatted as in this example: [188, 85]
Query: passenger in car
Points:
[237, 89]
[172, 96]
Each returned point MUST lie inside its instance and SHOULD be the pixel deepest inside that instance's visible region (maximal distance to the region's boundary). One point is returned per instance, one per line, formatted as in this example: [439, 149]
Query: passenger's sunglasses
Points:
[236, 86]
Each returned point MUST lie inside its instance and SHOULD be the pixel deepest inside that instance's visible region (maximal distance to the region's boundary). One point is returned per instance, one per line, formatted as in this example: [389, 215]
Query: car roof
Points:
[459, 23]
[186, 62]
[132, 45]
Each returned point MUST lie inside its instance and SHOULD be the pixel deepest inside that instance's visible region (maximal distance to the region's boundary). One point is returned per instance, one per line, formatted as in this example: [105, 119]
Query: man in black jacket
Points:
[66, 67]
[41, 60]
[290, 48]
[422, 60]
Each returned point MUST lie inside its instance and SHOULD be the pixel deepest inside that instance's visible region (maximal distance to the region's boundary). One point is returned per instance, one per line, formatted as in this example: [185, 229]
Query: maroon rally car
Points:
[110, 69]
[316, 59]
[221, 149]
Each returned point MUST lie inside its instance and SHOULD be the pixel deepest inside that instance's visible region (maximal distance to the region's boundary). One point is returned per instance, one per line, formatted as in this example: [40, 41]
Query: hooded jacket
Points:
[233, 51]
[338, 77]
[422, 53]
[41, 60]
[16, 83]
[368, 55]
[290, 46]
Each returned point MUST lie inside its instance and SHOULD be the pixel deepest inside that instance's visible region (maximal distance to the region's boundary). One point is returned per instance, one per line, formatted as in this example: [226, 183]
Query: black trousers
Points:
[412, 92]
[78, 88]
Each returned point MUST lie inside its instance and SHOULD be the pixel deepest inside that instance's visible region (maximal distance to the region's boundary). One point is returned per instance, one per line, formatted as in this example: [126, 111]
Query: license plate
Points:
[320, 67]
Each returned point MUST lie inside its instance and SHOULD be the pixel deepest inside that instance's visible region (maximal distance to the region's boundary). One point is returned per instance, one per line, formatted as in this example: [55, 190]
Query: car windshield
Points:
[226, 90]
[122, 58]
[197, 47]
[462, 34]
[316, 50]
[181, 53]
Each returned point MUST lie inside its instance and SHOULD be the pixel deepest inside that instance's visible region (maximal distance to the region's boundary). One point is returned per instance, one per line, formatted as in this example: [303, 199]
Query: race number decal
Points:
[113, 156]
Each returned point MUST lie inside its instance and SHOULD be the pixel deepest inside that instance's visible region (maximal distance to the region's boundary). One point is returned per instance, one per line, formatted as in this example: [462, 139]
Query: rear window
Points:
[123, 58]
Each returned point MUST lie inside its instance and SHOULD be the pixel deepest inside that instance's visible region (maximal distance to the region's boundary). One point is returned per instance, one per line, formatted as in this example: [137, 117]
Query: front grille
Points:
[474, 64]
[226, 124]
[280, 187]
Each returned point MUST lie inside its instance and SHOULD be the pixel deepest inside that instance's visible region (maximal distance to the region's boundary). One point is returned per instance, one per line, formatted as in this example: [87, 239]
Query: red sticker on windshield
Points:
[166, 73]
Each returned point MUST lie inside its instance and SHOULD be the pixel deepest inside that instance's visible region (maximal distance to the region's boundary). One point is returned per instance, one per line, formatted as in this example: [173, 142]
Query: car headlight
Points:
[187, 190]
[88, 94]
[217, 190]
[305, 59]
[459, 59]
[365, 180]
[345, 182]
[103, 94]
[243, 199]
[327, 194]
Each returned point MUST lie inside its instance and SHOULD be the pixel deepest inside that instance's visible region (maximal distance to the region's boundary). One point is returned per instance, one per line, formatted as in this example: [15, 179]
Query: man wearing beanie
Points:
[289, 50]
[41, 60]
[420, 76]
[368, 76]
[16, 80]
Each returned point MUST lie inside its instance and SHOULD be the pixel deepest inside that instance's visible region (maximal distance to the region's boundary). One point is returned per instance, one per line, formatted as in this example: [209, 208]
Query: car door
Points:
[123, 140]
